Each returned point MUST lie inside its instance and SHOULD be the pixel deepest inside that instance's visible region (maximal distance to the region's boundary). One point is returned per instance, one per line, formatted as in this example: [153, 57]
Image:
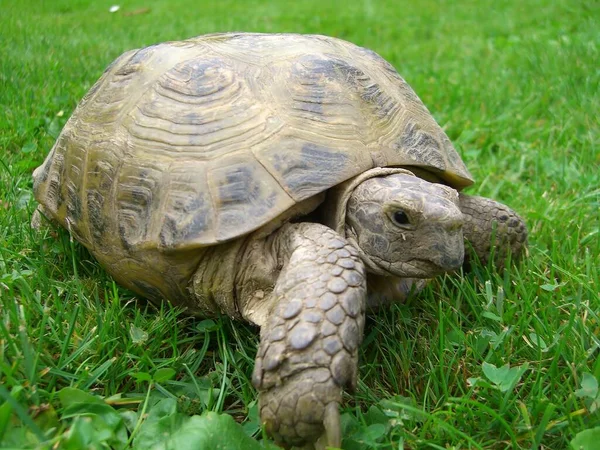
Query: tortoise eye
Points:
[401, 218]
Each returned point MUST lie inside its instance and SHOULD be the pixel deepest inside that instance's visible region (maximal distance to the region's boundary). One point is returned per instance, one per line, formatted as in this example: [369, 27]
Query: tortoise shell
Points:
[189, 144]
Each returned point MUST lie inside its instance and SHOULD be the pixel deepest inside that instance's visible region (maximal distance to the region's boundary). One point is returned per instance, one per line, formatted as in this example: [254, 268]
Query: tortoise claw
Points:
[303, 410]
[333, 426]
[331, 437]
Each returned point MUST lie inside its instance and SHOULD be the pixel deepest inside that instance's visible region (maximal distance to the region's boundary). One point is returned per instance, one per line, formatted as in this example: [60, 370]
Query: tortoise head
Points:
[405, 226]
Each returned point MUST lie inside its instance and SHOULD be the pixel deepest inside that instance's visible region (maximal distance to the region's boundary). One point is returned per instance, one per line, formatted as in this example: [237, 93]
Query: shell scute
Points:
[244, 194]
[421, 147]
[304, 168]
[196, 106]
[188, 206]
[138, 194]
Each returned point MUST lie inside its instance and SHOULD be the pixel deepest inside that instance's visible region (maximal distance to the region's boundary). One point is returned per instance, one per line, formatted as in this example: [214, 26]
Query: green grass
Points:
[516, 86]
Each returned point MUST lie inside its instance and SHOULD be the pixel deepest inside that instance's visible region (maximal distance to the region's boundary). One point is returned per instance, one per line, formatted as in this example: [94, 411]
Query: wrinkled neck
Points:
[371, 266]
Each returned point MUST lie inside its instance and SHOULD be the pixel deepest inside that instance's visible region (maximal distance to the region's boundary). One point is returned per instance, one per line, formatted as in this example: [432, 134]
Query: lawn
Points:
[486, 361]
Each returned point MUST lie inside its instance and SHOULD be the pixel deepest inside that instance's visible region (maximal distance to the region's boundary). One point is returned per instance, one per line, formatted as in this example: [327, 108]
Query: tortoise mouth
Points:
[445, 265]
[414, 268]
[423, 268]
[428, 267]
[418, 268]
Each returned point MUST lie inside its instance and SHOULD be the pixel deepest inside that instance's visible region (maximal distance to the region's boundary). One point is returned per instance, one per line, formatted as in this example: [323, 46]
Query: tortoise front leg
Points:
[309, 344]
[492, 230]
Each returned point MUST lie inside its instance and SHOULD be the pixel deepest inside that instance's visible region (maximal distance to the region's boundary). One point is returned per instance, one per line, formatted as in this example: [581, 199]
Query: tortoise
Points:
[292, 181]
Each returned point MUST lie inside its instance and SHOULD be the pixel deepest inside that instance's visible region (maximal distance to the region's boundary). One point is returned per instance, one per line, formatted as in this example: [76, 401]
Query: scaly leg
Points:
[309, 344]
[40, 218]
[492, 230]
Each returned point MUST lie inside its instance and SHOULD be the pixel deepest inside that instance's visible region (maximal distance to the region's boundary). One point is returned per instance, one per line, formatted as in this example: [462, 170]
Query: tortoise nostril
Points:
[449, 262]
[448, 253]
[453, 262]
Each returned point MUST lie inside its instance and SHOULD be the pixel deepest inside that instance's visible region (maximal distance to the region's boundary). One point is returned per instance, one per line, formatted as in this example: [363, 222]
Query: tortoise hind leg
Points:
[41, 218]
[492, 230]
[309, 342]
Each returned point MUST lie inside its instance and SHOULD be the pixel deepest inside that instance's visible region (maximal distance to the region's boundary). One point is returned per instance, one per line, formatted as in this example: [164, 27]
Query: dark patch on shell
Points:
[138, 195]
[56, 173]
[421, 146]
[346, 74]
[134, 62]
[173, 231]
[42, 174]
[147, 290]
[123, 237]
[74, 205]
[95, 203]
[199, 77]
[239, 192]
[311, 171]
